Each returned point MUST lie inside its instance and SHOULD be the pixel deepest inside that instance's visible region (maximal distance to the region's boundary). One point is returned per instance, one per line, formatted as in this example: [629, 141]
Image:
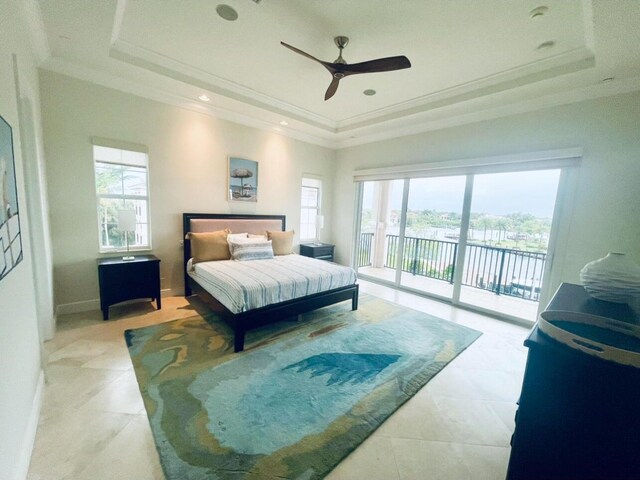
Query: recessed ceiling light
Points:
[204, 98]
[608, 79]
[227, 12]
[284, 123]
[369, 92]
[546, 45]
[538, 12]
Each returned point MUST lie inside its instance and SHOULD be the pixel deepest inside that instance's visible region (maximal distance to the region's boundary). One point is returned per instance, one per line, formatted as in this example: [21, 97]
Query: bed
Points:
[238, 288]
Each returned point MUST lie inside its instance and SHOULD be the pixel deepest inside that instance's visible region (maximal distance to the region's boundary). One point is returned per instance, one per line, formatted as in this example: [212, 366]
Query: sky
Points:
[493, 194]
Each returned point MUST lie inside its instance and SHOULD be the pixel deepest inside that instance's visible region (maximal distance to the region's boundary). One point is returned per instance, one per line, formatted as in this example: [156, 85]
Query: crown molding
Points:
[169, 67]
[436, 119]
[550, 67]
[444, 118]
[115, 82]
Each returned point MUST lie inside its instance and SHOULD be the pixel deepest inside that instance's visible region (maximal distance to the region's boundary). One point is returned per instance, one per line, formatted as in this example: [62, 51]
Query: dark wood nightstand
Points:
[122, 280]
[319, 250]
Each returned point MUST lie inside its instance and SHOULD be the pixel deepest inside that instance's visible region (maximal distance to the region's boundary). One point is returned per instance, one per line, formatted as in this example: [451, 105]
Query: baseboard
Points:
[78, 307]
[22, 468]
[89, 305]
[167, 292]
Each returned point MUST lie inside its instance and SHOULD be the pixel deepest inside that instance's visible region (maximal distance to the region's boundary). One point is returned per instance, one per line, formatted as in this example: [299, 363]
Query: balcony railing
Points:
[503, 271]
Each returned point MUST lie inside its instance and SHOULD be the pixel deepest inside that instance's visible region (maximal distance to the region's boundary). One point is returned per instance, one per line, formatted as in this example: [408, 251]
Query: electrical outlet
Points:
[181, 243]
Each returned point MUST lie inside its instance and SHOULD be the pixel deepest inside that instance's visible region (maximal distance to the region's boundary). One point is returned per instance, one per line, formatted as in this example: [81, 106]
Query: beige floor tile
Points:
[131, 454]
[457, 426]
[69, 386]
[467, 421]
[486, 463]
[121, 396]
[373, 460]
[428, 460]
[78, 352]
[67, 443]
[452, 382]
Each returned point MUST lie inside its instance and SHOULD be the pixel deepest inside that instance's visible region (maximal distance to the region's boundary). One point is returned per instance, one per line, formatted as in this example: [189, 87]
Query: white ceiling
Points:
[471, 59]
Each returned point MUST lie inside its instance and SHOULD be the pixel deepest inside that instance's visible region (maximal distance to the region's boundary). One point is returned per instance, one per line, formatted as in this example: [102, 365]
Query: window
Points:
[310, 219]
[122, 183]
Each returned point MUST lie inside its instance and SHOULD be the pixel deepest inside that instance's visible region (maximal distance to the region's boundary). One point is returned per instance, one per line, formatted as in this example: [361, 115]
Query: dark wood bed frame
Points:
[241, 322]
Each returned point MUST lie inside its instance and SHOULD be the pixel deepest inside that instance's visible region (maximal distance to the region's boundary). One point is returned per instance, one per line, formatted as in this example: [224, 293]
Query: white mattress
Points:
[243, 286]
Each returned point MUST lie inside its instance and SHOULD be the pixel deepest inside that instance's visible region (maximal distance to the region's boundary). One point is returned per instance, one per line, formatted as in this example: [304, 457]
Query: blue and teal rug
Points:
[299, 399]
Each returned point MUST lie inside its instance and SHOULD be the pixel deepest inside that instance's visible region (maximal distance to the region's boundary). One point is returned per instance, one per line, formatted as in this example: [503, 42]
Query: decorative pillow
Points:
[234, 241]
[244, 251]
[234, 237]
[258, 237]
[209, 246]
[282, 241]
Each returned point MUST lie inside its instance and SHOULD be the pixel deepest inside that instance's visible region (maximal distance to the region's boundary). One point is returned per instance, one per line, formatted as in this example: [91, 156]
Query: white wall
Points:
[188, 173]
[21, 377]
[606, 207]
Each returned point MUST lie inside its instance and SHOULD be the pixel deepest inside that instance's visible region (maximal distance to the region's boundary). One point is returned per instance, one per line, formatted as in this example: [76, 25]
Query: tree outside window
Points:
[122, 183]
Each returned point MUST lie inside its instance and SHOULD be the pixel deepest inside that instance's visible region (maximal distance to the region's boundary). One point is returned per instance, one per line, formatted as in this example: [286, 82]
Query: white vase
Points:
[614, 278]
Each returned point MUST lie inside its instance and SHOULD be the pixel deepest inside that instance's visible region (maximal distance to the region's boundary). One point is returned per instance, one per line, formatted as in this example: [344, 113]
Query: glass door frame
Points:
[563, 204]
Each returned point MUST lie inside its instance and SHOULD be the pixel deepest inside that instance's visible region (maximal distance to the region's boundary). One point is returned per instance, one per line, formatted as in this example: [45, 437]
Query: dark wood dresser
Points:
[122, 280]
[578, 415]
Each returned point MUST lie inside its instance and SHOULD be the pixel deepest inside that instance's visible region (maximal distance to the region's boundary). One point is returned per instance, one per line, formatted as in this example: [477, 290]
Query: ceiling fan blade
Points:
[379, 65]
[333, 86]
[327, 65]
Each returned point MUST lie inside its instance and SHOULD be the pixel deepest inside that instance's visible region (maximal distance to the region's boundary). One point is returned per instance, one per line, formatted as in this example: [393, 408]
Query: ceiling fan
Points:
[340, 68]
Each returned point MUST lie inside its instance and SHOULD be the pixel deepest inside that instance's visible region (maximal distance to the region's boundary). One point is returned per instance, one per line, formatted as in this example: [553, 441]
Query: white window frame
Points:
[315, 183]
[123, 147]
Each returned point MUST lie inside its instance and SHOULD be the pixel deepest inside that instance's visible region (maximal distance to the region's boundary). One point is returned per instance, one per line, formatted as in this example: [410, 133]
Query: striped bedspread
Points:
[243, 286]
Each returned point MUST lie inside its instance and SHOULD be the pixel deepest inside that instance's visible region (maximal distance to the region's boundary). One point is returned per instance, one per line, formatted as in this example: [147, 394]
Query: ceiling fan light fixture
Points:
[369, 92]
[204, 98]
[227, 12]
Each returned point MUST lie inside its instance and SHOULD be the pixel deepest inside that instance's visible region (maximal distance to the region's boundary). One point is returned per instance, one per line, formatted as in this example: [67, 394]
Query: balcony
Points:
[498, 279]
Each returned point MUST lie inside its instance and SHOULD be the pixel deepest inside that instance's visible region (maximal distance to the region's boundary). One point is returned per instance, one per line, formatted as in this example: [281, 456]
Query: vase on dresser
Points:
[613, 278]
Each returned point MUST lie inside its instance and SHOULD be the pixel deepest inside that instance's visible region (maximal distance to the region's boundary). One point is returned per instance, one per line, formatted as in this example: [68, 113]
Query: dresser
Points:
[578, 415]
[122, 280]
[319, 250]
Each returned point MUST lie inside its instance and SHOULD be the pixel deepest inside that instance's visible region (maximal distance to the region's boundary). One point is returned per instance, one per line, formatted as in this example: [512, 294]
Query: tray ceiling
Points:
[467, 57]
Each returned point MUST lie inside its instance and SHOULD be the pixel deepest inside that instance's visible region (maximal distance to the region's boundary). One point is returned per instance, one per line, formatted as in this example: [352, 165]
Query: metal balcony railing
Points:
[503, 271]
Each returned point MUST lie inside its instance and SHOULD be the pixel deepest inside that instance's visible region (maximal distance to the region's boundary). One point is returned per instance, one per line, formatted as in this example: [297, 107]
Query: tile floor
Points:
[93, 424]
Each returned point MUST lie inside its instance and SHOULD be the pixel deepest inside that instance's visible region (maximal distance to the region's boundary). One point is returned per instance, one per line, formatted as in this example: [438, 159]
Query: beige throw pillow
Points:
[209, 246]
[282, 242]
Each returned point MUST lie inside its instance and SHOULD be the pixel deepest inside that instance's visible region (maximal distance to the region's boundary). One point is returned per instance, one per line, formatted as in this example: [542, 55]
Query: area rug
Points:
[300, 398]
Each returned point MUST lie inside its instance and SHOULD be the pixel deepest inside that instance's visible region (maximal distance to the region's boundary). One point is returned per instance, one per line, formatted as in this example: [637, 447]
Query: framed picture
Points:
[10, 238]
[243, 180]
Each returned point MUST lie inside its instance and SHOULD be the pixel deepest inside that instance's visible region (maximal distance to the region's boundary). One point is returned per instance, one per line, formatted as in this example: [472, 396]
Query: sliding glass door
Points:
[380, 220]
[478, 239]
[507, 241]
[432, 231]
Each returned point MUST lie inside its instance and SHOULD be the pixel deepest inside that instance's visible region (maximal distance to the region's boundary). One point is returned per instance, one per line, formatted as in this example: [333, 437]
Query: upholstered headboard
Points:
[211, 222]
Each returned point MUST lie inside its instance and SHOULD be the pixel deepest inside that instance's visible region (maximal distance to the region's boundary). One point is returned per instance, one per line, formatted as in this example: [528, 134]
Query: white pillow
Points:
[234, 237]
[243, 251]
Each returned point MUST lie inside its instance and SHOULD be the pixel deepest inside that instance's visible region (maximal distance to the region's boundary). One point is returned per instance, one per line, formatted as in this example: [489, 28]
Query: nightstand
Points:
[319, 250]
[122, 280]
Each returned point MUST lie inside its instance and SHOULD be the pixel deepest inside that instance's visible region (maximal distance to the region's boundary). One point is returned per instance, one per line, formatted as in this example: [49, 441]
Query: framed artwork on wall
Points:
[243, 180]
[10, 237]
